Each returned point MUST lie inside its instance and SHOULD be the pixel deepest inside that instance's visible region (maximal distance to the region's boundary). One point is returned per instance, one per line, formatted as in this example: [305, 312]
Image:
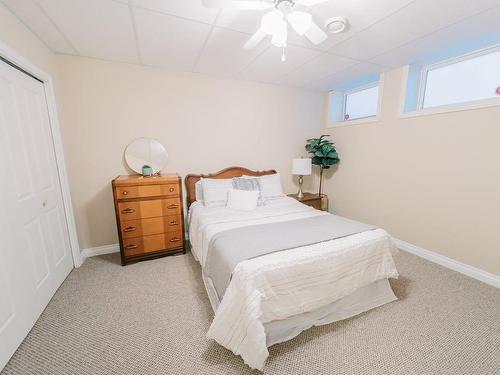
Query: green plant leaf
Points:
[332, 154]
[316, 160]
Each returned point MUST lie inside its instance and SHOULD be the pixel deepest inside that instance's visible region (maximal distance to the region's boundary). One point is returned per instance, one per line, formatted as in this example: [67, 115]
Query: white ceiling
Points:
[183, 35]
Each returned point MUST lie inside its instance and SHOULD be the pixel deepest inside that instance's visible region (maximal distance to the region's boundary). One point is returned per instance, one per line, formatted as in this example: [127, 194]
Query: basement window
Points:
[361, 103]
[467, 79]
[470, 80]
[355, 105]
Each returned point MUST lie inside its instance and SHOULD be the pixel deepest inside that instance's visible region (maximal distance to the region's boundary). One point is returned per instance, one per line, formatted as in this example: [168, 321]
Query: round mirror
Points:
[146, 156]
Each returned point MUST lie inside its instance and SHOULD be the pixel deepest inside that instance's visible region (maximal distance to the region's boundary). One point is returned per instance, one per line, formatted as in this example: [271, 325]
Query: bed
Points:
[271, 298]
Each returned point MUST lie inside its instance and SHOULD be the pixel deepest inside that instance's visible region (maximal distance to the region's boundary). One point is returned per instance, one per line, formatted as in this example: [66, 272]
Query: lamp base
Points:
[300, 194]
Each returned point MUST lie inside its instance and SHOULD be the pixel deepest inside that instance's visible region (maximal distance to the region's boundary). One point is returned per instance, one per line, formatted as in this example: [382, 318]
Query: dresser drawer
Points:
[149, 208]
[147, 191]
[149, 244]
[149, 226]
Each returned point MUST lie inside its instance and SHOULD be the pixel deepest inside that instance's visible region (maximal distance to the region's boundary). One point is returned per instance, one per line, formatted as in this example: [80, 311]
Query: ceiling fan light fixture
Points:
[300, 22]
[336, 25]
[271, 22]
[281, 35]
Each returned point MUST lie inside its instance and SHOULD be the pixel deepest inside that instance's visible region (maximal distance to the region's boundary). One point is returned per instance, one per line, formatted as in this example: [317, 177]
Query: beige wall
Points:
[433, 181]
[206, 124]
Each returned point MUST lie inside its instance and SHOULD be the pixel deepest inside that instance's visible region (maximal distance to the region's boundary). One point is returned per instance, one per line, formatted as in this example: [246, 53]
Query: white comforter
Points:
[279, 285]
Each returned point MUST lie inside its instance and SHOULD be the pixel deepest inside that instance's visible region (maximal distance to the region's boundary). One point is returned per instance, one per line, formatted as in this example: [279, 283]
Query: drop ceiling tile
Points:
[322, 66]
[247, 21]
[473, 33]
[359, 14]
[416, 20]
[167, 41]
[268, 66]
[346, 78]
[190, 9]
[96, 28]
[223, 53]
[32, 16]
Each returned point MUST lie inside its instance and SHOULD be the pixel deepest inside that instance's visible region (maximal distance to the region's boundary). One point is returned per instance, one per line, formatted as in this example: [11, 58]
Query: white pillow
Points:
[271, 186]
[245, 200]
[215, 191]
[198, 193]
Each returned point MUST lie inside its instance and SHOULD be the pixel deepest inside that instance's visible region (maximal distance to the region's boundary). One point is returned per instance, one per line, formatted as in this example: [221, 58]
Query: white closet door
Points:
[35, 254]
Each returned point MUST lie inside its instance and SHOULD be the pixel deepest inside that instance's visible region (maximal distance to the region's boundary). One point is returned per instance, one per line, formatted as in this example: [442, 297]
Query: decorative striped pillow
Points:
[249, 184]
[215, 191]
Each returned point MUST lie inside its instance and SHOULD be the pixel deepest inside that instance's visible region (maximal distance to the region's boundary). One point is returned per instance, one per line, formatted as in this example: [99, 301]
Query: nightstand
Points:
[313, 200]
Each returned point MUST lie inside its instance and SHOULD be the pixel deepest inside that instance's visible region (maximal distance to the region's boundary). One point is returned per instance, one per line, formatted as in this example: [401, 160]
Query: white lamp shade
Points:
[301, 167]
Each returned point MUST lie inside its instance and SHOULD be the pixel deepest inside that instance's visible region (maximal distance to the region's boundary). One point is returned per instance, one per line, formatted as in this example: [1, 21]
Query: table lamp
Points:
[301, 168]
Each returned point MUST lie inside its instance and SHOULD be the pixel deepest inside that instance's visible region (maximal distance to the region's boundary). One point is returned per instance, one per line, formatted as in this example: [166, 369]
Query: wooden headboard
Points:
[192, 179]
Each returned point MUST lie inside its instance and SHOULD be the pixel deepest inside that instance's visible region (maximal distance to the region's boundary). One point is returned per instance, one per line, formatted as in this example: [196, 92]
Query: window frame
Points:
[354, 91]
[444, 63]
[362, 120]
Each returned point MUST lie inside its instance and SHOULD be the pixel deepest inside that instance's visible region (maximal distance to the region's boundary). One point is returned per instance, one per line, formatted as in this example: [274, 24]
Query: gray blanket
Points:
[228, 248]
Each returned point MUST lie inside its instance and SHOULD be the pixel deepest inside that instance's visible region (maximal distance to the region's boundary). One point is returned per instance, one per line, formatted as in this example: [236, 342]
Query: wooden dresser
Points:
[149, 216]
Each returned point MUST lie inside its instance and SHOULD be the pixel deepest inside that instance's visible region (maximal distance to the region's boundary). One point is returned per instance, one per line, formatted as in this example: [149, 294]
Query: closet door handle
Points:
[129, 229]
[130, 247]
[128, 211]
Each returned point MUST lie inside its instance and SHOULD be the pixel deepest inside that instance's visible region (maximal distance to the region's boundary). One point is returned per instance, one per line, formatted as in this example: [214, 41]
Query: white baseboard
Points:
[455, 265]
[100, 250]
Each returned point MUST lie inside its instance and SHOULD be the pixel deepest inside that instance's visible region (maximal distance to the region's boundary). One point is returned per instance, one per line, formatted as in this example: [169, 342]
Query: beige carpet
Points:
[151, 318]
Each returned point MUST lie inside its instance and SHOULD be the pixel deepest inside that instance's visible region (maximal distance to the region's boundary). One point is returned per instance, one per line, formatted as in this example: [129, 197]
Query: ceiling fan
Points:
[275, 22]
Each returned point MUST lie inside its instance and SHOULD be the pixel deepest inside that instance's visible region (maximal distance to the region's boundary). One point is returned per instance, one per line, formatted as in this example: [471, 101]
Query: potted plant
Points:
[323, 154]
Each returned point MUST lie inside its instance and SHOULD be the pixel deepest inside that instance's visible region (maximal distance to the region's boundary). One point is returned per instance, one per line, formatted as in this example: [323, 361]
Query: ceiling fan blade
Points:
[237, 4]
[300, 21]
[315, 34]
[255, 39]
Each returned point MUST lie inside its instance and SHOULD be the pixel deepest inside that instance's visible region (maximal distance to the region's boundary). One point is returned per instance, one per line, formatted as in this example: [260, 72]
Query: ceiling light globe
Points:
[271, 22]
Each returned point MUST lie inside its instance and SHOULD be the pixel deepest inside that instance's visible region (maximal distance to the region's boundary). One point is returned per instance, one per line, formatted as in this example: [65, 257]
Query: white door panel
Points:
[35, 254]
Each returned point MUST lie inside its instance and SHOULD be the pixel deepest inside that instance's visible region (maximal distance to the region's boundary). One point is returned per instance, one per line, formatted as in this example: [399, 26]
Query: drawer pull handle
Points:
[125, 192]
[170, 206]
[129, 229]
[175, 239]
[128, 211]
[171, 189]
[174, 222]
[130, 247]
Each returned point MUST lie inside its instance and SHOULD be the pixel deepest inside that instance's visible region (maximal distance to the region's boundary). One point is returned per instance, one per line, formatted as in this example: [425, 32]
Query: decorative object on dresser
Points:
[323, 154]
[146, 156]
[320, 202]
[301, 168]
[149, 216]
